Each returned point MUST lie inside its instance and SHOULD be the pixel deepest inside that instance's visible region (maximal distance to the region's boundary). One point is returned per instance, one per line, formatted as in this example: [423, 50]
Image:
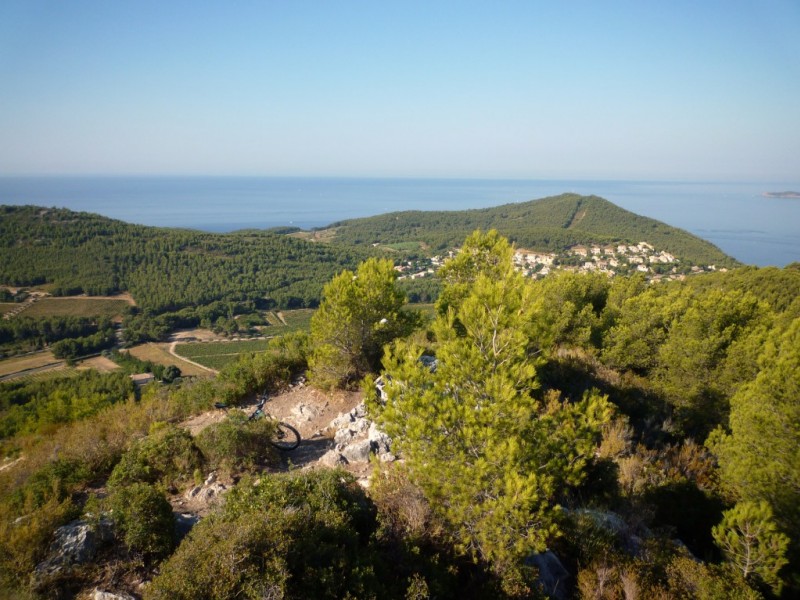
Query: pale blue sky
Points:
[633, 90]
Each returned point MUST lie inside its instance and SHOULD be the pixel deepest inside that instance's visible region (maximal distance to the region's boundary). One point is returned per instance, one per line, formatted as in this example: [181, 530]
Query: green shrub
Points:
[24, 541]
[55, 480]
[295, 535]
[144, 518]
[237, 444]
[168, 455]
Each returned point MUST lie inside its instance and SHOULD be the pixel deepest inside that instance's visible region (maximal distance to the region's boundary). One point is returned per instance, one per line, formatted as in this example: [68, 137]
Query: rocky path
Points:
[334, 430]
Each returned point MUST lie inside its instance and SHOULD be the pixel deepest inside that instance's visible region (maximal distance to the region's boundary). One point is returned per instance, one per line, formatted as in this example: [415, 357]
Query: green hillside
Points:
[551, 224]
[164, 269]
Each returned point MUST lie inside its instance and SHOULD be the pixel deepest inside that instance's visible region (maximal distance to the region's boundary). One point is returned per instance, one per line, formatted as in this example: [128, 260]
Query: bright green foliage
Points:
[570, 307]
[641, 327]
[760, 457]
[237, 443]
[489, 456]
[40, 406]
[489, 254]
[144, 517]
[751, 541]
[271, 370]
[359, 314]
[694, 353]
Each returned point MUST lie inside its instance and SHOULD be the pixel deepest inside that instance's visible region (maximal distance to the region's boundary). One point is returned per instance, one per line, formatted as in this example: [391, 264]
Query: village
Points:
[611, 259]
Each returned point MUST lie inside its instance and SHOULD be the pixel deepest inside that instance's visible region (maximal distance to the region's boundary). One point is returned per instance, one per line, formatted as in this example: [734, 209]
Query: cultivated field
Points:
[295, 320]
[29, 365]
[30, 361]
[216, 355]
[160, 355]
[76, 307]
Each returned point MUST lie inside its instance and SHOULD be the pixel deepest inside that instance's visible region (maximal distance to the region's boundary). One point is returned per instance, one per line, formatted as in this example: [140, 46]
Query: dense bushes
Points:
[39, 406]
[237, 444]
[299, 535]
[167, 456]
[143, 518]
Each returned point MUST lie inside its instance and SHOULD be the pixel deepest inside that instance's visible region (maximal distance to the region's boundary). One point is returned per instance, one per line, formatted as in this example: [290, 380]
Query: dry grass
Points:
[159, 354]
[23, 363]
[324, 235]
[7, 307]
[76, 307]
[98, 363]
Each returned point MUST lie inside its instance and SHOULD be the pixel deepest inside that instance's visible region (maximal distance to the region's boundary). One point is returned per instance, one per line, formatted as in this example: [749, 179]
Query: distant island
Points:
[782, 195]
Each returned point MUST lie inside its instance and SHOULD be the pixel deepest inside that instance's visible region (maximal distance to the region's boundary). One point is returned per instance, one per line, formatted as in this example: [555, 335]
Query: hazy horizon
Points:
[520, 90]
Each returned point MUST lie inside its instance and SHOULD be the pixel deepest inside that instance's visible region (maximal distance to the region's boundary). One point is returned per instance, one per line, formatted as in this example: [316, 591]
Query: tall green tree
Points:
[487, 253]
[487, 453]
[691, 360]
[359, 314]
[759, 458]
[752, 542]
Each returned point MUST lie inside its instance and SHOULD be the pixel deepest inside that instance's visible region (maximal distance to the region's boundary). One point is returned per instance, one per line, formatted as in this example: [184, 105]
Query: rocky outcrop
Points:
[209, 493]
[552, 575]
[74, 544]
[355, 438]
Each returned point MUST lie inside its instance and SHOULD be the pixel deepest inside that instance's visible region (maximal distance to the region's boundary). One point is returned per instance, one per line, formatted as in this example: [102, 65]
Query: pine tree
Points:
[752, 543]
[359, 314]
[489, 456]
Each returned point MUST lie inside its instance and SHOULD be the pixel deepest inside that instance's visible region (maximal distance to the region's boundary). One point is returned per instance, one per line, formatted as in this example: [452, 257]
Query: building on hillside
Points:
[140, 379]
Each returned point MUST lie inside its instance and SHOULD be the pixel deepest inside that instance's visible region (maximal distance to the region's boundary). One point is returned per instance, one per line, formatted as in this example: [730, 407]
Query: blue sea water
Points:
[735, 216]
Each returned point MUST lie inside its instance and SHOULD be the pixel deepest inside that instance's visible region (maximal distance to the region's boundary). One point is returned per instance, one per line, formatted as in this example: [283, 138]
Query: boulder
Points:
[357, 451]
[552, 574]
[76, 543]
[183, 524]
[343, 437]
[387, 457]
[342, 421]
[333, 458]
[381, 442]
[304, 412]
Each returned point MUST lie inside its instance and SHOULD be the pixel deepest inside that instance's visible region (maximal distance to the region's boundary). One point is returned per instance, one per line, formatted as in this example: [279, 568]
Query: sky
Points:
[678, 90]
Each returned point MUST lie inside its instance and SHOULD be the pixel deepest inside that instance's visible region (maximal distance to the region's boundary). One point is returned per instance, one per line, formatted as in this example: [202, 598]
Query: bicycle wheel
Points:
[286, 437]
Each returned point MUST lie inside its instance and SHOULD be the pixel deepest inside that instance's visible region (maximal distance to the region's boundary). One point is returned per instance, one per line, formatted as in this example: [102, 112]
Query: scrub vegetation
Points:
[642, 435]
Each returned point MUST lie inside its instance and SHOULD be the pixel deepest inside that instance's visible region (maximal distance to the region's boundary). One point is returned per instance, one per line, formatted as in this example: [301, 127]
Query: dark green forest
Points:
[164, 269]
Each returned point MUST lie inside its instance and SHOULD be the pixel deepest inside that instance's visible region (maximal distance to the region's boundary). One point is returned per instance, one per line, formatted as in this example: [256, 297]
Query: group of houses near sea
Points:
[612, 259]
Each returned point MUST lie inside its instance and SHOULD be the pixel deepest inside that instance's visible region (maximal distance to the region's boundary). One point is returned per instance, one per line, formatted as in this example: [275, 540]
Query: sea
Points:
[735, 216]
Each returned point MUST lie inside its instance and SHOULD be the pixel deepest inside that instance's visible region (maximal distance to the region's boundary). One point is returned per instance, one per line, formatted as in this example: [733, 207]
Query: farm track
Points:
[189, 360]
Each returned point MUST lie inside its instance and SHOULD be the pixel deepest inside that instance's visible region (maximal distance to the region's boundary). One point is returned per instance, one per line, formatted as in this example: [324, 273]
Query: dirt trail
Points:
[307, 409]
[189, 360]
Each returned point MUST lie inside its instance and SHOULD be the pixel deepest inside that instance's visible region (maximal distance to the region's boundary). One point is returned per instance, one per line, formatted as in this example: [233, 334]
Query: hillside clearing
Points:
[77, 306]
[160, 355]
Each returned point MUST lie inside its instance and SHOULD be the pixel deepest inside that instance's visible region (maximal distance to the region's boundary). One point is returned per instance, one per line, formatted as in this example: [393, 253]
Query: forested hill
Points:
[164, 269]
[549, 224]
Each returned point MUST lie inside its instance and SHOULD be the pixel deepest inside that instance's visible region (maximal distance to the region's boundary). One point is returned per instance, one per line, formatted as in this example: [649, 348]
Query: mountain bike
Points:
[286, 437]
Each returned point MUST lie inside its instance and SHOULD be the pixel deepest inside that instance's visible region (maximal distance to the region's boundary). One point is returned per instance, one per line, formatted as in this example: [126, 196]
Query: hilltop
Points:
[169, 270]
[549, 224]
